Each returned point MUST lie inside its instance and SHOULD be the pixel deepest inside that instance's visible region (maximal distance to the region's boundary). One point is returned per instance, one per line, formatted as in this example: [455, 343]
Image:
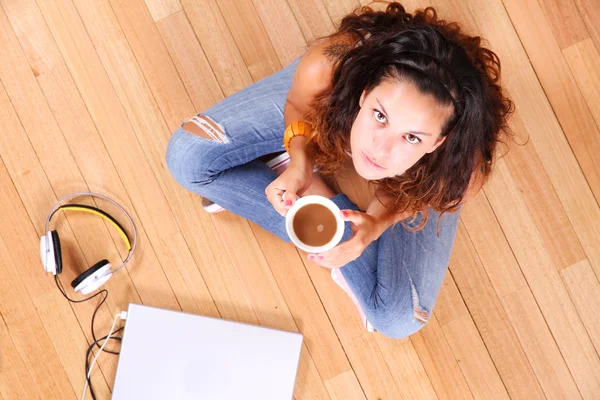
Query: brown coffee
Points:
[314, 225]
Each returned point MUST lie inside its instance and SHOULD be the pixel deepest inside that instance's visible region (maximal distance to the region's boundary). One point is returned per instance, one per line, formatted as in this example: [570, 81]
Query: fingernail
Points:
[321, 257]
[311, 258]
[345, 213]
[288, 202]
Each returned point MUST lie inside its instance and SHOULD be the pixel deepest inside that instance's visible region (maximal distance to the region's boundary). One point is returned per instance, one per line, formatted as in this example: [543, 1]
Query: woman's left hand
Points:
[365, 229]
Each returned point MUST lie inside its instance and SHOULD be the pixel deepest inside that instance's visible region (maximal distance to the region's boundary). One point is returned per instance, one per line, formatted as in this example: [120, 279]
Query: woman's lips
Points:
[369, 161]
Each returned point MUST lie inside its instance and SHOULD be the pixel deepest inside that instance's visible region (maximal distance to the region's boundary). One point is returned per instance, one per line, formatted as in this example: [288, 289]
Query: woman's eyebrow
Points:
[387, 116]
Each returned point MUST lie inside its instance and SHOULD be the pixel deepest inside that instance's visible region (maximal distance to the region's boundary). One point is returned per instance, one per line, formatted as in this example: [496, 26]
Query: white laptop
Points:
[180, 356]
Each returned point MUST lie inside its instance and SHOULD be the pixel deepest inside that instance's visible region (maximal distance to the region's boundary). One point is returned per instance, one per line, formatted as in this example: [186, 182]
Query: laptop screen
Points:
[175, 355]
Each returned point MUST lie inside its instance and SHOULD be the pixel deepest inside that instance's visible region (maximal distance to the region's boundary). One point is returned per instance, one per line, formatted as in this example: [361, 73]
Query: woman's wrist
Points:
[384, 219]
[302, 153]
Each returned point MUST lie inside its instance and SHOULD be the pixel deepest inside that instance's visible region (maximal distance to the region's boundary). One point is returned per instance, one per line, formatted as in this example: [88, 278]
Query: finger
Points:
[316, 257]
[330, 264]
[352, 216]
[274, 196]
[290, 198]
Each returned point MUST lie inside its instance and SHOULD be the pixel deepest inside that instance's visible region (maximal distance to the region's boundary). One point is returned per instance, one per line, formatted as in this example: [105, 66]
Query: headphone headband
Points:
[79, 207]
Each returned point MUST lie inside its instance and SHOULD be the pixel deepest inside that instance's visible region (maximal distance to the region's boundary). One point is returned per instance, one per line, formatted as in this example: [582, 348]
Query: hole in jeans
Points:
[420, 314]
[205, 127]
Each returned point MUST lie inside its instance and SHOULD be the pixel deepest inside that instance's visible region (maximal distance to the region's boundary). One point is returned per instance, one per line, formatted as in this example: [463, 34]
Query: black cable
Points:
[87, 358]
[59, 285]
[95, 342]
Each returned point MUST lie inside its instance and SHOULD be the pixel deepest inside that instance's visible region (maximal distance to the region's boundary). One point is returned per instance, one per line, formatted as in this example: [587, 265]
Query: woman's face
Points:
[395, 127]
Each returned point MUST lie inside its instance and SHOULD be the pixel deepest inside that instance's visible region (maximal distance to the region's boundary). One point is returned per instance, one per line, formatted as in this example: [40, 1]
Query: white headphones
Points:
[95, 276]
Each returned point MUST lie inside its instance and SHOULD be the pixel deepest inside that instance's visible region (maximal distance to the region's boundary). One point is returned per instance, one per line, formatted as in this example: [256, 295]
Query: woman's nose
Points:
[382, 145]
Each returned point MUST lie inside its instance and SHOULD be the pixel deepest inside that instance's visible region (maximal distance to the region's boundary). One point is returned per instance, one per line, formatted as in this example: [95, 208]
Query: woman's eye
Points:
[410, 138]
[379, 116]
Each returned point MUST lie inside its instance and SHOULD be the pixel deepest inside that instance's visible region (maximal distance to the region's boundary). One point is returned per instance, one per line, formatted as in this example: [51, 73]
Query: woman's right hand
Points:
[293, 182]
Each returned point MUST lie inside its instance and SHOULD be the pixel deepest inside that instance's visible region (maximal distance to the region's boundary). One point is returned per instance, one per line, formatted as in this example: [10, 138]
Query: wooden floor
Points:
[90, 93]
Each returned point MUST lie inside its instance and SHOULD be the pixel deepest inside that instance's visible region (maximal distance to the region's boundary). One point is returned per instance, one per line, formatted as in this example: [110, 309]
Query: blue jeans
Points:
[397, 274]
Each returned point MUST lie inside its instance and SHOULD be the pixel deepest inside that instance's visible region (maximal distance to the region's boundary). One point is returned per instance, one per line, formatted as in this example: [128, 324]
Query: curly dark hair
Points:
[439, 60]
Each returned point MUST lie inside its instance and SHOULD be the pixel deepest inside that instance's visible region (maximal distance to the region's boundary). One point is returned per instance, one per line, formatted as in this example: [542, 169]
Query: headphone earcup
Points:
[57, 251]
[46, 253]
[92, 278]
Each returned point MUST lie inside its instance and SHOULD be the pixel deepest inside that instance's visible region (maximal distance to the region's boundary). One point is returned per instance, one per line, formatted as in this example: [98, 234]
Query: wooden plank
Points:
[147, 118]
[163, 8]
[584, 62]
[525, 316]
[545, 357]
[16, 380]
[344, 386]
[309, 384]
[277, 17]
[26, 171]
[468, 348]
[61, 166]
[191, 62]
[545, 206]
[263, 291]
[186, 280]
[546, 210]
[81, 135]
[545, 283]
[565, 21]
[42, 325]
[313, 18]
[153, 59]
[590, 12]
[491, 320]
[559, 85]
[36, 41]
[119, 140]
[251, 37]
[450, 305]
[478, 368]
[119, 137]
[491, 245]
[338, 9]
[564, 170]
[409, 373]
[218, 44]
[361, 347]
[49, 143]
[459, 11]
[585, 292]
[439, 361]
[304, 303]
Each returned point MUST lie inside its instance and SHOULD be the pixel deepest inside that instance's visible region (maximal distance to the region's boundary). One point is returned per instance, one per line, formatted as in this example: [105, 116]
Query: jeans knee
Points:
[187, 158]
[398, 316]
[397, 327]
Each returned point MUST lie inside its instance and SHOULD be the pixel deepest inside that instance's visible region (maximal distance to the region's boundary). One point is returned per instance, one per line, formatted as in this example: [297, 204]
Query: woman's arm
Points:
[380, 212]
[312, 77]
[385, 219]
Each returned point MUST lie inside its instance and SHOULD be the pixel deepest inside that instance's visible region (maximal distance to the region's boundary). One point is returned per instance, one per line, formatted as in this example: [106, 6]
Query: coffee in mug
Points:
[314, 224]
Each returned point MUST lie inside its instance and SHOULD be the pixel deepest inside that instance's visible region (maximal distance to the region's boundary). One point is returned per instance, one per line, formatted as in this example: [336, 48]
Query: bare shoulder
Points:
[315, 69]
[318, 62]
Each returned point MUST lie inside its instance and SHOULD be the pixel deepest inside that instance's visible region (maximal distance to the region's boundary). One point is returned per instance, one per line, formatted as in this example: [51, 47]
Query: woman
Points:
[412, 101]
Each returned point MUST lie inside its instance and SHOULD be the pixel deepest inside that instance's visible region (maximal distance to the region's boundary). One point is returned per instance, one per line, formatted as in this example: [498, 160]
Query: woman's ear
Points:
[437, 144]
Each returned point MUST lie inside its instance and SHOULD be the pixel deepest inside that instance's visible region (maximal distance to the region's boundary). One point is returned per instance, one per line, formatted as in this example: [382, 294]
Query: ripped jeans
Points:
[396, 279]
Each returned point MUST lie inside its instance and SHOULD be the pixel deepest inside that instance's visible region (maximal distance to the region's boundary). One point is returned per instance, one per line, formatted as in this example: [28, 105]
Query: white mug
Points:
[324, 201]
